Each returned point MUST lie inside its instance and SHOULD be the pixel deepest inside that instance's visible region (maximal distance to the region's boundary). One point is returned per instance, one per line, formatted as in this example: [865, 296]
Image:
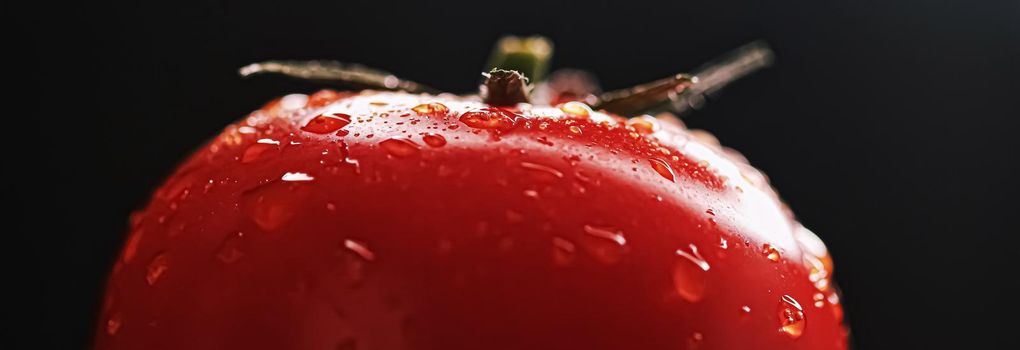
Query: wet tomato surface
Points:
[399, 221]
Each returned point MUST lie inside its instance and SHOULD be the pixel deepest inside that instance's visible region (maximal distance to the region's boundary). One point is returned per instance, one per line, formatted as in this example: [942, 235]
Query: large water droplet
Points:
[434, 140]
[644, 124]
[604, 243]
[157, 267]
[663, 169]
[791, 317]
[490, 118]
[689, 274]
[230, 250]
[327, 123]
[434, 108]
[400, 147]
[576, 109]
[259, 150]
[770, 252]
[296, 177]
[272, 205]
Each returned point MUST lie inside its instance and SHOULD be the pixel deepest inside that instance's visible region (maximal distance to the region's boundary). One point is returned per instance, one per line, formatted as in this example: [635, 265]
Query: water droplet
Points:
[113, 324]
[531, 194]
[157, 267]
[689, 274]
[490, 118]
[272, 205]
[360, 249]
[230, 249]
[563, 251]
[770, 252]
[576, 109]
[694, 342]
[433, 108]
[330, 206]
[514, 217]
[833, 298]
[819, 299]
[434, 140]
[723, 243]
[324, 124]
[817, 272]
[400, 147]
[604, 243]
[296, 177]
[542, 172]
[791, 317]
[606, 233]
[574, 129]
[644, 124]
[661, 167]
[710, 212]
[258, 150]
[745, 311]
[355, 257]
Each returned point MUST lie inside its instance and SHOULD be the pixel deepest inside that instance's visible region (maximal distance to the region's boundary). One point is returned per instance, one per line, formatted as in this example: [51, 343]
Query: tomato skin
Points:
[413, 228]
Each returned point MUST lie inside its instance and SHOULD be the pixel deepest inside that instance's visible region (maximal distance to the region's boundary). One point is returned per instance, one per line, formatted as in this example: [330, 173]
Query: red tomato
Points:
[399, 221]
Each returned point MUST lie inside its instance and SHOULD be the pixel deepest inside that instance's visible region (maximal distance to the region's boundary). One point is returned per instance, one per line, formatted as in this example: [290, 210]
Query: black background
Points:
[889, 127]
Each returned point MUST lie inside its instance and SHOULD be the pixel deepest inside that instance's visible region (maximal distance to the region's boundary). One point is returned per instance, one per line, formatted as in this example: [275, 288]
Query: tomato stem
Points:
[504, 88]
[683, 92]
[530, 56]
[334, 73]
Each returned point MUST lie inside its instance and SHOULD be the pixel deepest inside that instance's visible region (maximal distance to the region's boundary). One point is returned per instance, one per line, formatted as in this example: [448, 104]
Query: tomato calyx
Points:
[517, 63]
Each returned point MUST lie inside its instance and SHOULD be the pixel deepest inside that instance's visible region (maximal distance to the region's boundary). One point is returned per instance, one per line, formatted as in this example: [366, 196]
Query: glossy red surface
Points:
[396, 221]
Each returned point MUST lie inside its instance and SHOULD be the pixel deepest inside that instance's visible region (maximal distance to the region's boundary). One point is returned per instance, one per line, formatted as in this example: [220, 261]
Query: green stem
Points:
[530, 56]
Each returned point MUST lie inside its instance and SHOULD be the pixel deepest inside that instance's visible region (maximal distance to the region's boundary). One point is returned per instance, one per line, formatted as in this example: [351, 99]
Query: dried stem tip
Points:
[504, 88]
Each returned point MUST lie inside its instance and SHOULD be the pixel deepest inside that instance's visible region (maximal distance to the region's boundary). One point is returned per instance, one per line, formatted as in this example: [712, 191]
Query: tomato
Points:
[391, 220]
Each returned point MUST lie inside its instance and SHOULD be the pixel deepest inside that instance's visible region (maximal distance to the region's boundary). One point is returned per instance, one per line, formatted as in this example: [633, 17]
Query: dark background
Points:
[890, 127]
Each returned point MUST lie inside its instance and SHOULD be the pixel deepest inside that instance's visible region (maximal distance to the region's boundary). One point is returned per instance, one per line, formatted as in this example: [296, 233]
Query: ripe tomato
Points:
[387, 220]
